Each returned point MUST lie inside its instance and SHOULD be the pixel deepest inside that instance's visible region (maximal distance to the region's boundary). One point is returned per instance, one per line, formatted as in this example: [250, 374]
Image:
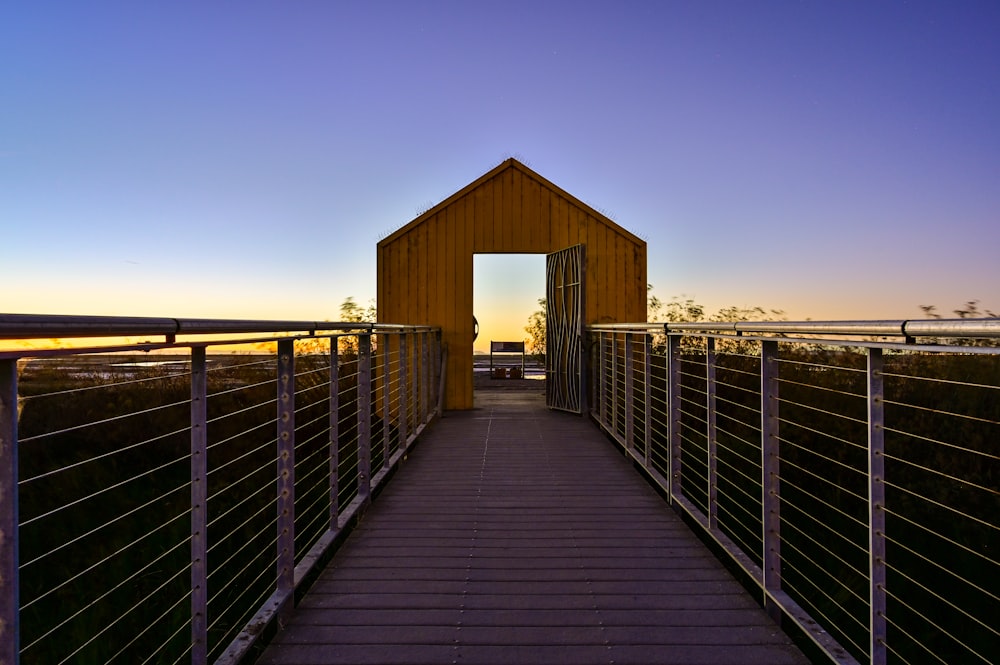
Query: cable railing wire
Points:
[232, 533]
[930, 621]
[122, 615]
[968, 550]
[107, 592]
[834, 580]
[96, 565]
[163, 615]
[154, 501]
[790, 524]
[96, 423]
[102, 491]
[109, 454]
[953, 511]
[900, 656]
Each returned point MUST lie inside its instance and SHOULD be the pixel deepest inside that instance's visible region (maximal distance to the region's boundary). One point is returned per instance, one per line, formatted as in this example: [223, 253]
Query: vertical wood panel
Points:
[476, 223]
[487, 228]
[624, 265]
[640, 303]
[569, 221]
[396, 285]
[558, 235]
[578, 224]
[506, 218]
[548, 233]
[610, 276]
[419, 254]
[607, 311]
[464, 307]
[529, 216]
[400, 310]
[631, 275]
[512, 219]
[446, 269]
[382, 275]
[572, 215]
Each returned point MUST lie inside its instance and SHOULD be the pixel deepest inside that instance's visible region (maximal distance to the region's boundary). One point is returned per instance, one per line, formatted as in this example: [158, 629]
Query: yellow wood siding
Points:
[425, 269]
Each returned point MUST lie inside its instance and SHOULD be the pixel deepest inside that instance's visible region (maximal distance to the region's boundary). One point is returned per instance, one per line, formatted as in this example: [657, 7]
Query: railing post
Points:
[404, 395]
[674, 400]
[647, 372]
[425, 362]
[876, 507]
[713, 433]
[602, 359]
[199, 507]
[10, 601]
[334, 432]
[438, 383]
[286, 475]
[629, 393]
[614, 384]
[385, 346]
[770, 478]
[364, 416]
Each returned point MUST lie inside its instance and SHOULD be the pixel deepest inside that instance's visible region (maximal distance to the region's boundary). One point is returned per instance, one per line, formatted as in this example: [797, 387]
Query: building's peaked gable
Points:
[488, 180]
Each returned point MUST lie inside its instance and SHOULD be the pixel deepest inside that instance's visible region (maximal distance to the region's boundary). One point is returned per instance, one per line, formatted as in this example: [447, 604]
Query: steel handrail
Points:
[905, 328]
[42, 326]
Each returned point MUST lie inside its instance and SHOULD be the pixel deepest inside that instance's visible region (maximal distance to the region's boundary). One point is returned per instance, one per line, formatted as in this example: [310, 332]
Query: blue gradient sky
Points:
[222, 159]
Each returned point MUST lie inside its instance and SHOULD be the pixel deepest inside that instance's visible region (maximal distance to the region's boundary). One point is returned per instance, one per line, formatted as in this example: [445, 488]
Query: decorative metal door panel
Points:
[564, 371]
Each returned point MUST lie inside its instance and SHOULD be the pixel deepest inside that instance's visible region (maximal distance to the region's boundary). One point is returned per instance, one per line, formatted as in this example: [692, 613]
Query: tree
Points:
[653, 304]
[970, 310]
[536, 332]
[352, 312]
[677, 311]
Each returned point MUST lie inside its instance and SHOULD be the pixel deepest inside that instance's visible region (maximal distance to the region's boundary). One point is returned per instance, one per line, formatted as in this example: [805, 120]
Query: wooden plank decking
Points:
[518, 535]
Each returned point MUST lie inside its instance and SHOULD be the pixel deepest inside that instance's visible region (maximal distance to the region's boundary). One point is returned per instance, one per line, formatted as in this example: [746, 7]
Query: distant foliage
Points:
[352, 312]
[970, 310]
[682, 309]
[536, 332]
[675, 311]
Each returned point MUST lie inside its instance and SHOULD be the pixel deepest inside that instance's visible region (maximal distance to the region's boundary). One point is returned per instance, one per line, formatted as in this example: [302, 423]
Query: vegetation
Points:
[970, 310]
[536, 332]
[352, 312]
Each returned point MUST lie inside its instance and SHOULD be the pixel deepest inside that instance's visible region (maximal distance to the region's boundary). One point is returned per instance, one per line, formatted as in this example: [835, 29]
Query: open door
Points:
[564, 372]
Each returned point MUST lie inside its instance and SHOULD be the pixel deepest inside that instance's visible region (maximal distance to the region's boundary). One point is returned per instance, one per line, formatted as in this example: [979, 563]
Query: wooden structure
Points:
[425, 269]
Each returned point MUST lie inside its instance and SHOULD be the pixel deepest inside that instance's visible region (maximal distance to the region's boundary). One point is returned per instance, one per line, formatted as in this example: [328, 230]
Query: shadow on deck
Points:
[514, 535]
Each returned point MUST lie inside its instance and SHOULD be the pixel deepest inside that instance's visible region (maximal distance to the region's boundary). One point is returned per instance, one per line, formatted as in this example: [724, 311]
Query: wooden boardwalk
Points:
[518, 535]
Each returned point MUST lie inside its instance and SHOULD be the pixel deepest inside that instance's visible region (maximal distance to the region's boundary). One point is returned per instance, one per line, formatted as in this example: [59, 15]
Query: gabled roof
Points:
[506, 165]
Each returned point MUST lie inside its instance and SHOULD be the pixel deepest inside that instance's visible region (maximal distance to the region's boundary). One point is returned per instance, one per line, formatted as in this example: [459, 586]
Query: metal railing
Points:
[853, 479]
[161, 501]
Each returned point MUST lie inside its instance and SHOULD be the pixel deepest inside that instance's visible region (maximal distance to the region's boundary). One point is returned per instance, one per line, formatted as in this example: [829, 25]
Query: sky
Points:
[834, 160]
